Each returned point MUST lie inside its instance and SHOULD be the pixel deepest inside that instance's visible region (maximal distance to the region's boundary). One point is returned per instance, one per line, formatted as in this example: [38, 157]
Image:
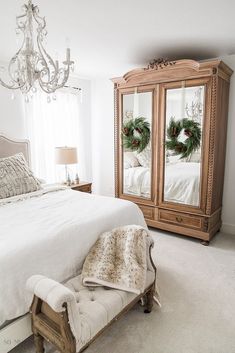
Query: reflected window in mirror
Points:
[184, 114]
[136, 143]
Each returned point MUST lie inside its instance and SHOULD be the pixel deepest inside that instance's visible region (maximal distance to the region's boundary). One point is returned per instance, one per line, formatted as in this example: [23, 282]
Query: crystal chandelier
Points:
[32, 66]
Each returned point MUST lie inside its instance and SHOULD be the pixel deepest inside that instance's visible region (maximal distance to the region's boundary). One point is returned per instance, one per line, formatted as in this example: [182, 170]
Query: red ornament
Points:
[138, 130]
[135, 142]
[125, 131]
[188, 133]
[174, 132]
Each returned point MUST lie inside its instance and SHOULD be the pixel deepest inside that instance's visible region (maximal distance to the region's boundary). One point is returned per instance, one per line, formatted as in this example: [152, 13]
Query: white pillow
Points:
[130, 160]
[173, 159]
[144, 157]
[15, 177]
[195, 157]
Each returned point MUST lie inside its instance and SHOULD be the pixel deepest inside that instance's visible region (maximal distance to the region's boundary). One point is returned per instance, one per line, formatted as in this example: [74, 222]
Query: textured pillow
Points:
[130, 160]
[144, 157]
[15, 177]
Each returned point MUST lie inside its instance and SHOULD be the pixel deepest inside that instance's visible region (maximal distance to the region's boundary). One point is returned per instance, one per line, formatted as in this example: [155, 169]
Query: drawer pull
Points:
[179, 219]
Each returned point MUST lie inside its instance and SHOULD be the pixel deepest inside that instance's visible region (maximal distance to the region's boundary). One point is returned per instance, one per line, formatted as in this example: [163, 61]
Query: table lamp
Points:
[66, 155]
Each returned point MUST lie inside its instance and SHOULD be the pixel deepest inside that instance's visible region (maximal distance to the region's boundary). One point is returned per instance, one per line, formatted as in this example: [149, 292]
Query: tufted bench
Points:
[71, 316]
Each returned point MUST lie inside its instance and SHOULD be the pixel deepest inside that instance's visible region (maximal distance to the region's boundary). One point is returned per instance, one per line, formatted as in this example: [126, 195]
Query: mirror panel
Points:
[184, 114]
[136, 143]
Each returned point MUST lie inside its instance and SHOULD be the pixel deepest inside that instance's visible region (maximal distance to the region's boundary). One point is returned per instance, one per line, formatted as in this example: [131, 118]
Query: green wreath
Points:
[136, 134]
[192, 130]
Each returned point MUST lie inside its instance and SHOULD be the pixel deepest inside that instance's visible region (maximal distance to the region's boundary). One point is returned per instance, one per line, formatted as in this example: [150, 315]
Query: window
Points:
[51, 125]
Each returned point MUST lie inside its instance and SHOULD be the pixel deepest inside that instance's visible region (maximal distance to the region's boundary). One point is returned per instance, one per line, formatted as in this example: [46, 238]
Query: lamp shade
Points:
[66, 155]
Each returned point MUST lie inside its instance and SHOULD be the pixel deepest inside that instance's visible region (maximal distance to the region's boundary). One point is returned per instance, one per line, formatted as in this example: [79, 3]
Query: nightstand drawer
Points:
[83, 187]
[180, 219]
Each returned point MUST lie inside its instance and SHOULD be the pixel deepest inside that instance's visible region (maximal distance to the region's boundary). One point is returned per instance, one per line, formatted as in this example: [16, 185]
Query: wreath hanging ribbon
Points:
[191, 129]
[136, 134]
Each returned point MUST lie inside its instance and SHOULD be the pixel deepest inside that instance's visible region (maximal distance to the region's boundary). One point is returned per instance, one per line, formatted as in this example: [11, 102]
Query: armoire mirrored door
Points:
[136, 140]
[183, 129]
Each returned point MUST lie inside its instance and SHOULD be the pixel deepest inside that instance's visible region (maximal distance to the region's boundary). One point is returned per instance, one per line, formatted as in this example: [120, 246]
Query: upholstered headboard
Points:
[9, 147]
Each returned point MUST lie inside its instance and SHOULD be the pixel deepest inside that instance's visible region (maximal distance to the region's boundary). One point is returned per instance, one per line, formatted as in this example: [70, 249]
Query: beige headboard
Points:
[9, 147]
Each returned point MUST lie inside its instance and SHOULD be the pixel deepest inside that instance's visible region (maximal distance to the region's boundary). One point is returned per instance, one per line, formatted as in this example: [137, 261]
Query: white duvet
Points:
[137, 181]
[50, 232]
[181, 182]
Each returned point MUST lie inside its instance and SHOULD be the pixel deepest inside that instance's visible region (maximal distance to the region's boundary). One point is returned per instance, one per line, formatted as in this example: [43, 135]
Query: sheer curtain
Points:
[50, 125]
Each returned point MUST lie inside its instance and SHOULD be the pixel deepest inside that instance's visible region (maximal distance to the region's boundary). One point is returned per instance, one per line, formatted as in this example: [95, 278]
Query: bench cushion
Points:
[97, 306]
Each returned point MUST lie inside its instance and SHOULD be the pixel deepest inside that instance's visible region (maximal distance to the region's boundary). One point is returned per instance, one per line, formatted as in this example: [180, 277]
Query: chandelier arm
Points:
[19, 24]
[53, 89]
[39, 19]
[66, 73]
[41, 27]
[46, 68]
[44, 54]
[47, 89]
[9, 86]
[25, 89]
[13, 60]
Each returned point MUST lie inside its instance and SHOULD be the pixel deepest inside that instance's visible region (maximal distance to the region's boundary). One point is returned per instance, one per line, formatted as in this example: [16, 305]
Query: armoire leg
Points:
[205, 242]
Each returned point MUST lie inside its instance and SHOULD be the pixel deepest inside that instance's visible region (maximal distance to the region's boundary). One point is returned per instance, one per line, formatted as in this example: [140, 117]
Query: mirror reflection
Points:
[183, 126]
[136, 142]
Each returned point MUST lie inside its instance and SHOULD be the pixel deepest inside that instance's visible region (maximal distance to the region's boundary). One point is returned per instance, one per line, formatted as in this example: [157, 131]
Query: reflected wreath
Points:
[191, 129]
[136, 134]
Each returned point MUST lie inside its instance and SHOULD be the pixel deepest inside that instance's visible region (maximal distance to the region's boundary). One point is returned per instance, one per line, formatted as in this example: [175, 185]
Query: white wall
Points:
[11, 115]
[103, 136]
[228, 215]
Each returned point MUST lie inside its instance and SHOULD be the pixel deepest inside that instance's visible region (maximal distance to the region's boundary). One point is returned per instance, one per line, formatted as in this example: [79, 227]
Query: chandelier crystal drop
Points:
[32, 66]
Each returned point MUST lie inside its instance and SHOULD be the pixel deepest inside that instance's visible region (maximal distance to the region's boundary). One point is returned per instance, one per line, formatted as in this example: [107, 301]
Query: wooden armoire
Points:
[176, 176]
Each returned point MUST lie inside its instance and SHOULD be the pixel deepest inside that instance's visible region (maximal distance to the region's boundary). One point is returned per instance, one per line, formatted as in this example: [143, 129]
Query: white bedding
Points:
[137, 181]
[50, 232]
[181, 182]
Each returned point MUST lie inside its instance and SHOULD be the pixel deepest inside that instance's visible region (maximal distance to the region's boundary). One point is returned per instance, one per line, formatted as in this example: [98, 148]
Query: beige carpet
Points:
[197, 286]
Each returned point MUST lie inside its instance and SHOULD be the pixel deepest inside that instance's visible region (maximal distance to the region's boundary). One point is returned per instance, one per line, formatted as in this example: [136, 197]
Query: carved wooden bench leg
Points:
[149, 300]
[38, 340]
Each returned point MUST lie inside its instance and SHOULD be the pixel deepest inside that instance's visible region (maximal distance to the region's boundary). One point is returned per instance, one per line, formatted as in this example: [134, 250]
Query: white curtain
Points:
[50, 125]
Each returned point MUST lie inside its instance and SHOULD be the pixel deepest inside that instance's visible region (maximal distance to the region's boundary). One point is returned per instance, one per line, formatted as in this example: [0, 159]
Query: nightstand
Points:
[82, 186]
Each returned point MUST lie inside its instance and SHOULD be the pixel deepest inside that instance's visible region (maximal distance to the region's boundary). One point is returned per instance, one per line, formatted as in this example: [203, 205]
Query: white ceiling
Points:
[110, 37]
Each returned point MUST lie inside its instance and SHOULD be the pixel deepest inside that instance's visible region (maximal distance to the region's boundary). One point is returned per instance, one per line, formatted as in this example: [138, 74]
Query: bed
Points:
[47, 232]
[182, 182]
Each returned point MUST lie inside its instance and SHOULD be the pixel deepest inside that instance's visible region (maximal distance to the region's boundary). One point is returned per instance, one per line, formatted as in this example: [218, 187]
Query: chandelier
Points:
[32, 67]
[194, 111]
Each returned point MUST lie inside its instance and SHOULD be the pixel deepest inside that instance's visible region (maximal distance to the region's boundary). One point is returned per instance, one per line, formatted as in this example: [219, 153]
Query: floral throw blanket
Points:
[119, 259]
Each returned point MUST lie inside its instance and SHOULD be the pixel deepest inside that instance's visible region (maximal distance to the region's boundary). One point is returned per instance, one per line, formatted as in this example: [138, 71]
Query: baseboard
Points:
[228, 228]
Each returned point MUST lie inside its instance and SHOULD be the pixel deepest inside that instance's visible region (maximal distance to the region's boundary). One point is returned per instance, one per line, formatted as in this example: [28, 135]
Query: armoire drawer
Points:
[180, 219]
[148, 212]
